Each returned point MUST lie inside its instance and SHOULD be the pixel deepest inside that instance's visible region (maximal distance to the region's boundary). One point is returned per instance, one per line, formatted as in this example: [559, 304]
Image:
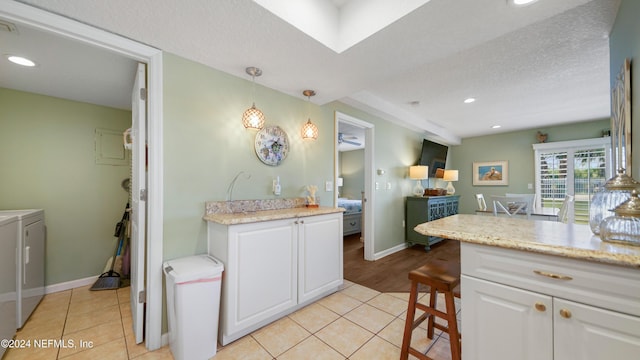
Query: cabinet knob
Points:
[565, 313]
[296, 222]
[540, 306]
[301, 221]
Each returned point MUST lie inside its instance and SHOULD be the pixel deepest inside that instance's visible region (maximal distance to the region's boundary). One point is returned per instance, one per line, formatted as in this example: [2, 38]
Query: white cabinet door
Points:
[262, 272]
[319, 255]
[583, 332]
[505, 323]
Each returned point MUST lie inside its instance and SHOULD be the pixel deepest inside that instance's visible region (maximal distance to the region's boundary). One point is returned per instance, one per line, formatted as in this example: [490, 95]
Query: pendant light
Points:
[309, 129]
[253, 118]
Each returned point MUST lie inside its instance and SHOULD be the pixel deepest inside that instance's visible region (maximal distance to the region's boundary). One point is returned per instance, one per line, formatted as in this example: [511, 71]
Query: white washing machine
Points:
[8, 239]
[30, 264]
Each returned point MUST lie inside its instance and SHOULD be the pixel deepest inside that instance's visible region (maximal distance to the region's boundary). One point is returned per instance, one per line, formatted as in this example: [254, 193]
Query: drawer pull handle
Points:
[540, 307]
[352, 223]
[565, 313]
[552, 275]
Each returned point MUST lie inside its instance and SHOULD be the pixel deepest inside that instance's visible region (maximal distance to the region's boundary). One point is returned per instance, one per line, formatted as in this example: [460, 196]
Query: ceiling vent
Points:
[7, 26]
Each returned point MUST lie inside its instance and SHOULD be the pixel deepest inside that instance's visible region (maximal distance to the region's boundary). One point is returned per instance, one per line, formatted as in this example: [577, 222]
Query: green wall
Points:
[625, 43]
[47, 161]
[205, 146]
[516, 148]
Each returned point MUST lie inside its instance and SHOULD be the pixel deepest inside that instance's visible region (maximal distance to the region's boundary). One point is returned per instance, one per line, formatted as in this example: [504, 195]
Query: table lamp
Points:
[450, 176]
[418, 173]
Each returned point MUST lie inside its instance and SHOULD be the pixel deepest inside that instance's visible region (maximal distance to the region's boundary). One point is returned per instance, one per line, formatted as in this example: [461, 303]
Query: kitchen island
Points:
[543, 290]
[278, 256]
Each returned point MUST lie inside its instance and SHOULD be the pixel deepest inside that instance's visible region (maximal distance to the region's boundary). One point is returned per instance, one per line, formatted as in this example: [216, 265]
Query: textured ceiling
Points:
[528, 67]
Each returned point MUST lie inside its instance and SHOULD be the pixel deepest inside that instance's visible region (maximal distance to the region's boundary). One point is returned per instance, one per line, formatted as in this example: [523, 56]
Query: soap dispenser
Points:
[276, 186]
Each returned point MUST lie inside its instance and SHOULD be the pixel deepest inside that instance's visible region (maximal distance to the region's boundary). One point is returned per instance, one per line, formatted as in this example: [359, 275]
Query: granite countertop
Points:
[545, 237]
[266, 215]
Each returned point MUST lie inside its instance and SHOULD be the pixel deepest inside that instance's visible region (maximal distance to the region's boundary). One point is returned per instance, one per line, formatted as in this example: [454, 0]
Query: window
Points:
[577, 168]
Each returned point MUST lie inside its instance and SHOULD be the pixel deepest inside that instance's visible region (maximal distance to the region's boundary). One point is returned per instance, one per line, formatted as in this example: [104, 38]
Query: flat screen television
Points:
[434, 156]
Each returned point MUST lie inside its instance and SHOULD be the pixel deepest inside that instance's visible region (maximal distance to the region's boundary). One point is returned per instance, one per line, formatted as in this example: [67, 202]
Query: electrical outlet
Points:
[377, 185]
[388, 186]
[328, 186]
[530, 186]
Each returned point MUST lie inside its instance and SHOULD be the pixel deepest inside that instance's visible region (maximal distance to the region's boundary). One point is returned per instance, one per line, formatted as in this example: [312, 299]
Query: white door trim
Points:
[369, 178]
[37, 18]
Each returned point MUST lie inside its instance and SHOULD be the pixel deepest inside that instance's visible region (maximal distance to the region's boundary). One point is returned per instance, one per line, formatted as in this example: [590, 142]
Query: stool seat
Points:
[441, 276]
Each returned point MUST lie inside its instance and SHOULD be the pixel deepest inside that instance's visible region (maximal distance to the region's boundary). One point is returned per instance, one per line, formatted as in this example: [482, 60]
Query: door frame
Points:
[46, 21]
[369, 178]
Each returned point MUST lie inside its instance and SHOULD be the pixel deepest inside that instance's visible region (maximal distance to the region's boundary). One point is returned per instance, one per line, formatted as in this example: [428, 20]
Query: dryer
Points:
[30, 257]
[8, 239]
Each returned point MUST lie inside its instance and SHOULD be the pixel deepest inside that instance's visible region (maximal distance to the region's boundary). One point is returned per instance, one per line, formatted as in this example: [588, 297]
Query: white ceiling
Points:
[529, 67]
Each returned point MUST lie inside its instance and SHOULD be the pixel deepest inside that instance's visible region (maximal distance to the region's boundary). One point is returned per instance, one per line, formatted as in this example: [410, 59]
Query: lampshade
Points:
[309, 131]
[418, 172]
[450, 175]
[253, 118]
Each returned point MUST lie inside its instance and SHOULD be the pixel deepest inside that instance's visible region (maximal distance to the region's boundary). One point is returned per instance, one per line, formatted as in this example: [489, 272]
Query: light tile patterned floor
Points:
[353, 323]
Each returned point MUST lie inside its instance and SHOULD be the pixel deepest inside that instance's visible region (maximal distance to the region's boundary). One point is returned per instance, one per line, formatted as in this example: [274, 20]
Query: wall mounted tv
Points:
[434, 156]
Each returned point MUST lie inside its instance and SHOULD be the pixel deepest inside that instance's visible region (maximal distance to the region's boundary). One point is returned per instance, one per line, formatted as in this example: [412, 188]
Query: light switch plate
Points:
[328, 186]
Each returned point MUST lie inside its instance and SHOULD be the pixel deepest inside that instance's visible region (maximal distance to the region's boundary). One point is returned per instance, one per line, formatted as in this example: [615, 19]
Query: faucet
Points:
[233, 184]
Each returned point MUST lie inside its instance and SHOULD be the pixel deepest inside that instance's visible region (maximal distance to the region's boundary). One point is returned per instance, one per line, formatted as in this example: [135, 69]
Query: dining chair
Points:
[566, 210]
[482, 205]
[511, 205]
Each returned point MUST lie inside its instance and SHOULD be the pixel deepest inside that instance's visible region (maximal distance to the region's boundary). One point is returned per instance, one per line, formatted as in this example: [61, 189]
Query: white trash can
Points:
[193, 305]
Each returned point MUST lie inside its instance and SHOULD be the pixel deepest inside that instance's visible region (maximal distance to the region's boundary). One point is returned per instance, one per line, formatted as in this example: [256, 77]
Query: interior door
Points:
[138, 201]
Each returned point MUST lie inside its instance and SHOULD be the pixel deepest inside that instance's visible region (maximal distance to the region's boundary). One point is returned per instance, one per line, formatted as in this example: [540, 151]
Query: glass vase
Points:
[616, 191]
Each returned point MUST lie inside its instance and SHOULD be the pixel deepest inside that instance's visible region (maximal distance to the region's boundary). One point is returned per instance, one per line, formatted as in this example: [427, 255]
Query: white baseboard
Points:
[395, 249]
[164, 339]
[70, 285]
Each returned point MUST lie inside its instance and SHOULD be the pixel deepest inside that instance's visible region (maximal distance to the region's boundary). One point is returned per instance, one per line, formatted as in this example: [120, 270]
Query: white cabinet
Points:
[501, 322]
[320, 253]
[518, 305]
[274, 267]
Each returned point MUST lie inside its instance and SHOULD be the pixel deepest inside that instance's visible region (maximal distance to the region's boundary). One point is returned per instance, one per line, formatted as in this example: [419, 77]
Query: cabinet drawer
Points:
[607, 286]
[351, 223]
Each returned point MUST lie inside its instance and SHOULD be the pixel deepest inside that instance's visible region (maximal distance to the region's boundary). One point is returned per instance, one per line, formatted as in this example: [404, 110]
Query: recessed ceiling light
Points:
[521, 2]
[20, 60]
[496, 126]
[469, 100]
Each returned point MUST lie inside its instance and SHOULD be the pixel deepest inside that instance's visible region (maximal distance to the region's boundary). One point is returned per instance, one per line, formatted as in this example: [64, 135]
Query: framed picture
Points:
[491, 173]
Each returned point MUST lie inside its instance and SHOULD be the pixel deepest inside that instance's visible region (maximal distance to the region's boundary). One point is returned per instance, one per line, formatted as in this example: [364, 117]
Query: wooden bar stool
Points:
[440, 276]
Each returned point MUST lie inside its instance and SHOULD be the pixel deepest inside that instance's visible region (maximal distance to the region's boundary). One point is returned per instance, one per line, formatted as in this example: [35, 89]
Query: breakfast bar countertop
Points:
[544, 237]
[266, 215]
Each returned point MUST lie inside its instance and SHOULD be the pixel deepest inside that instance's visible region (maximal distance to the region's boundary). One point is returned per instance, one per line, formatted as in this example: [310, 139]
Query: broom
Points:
[111, 279]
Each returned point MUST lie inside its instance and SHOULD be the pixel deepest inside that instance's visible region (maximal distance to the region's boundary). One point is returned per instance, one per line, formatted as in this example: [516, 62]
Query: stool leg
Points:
[452, 324]
[408, 325]
[433, 295]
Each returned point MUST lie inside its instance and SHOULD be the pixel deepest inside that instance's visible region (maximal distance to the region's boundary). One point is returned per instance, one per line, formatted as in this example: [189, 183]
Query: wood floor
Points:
[389, 274]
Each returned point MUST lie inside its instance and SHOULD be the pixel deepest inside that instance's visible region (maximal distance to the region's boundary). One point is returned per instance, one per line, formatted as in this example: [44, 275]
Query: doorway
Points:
[364, 136]
[92, 37]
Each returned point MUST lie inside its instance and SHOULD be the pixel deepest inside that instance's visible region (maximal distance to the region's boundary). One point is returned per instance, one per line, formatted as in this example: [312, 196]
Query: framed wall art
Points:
[491, 173]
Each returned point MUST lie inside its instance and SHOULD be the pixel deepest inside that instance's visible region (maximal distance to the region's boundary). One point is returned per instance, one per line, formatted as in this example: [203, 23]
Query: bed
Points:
[352, 217]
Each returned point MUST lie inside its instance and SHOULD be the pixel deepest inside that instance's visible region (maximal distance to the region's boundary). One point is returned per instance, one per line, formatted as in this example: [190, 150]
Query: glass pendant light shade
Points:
[616, 191]
[253, 118]
[624, 227]
[309, 131]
